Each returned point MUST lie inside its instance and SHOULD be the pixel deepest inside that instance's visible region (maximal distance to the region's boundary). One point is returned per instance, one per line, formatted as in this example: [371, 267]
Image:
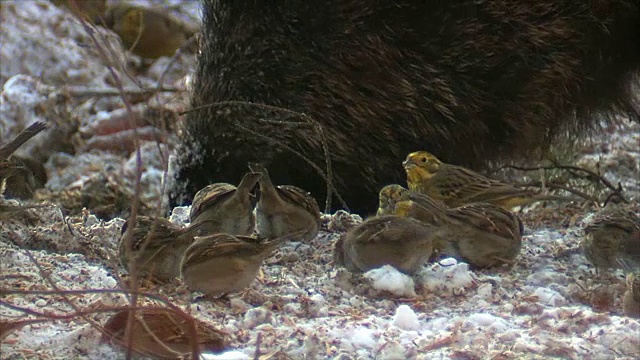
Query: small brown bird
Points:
[419, 206]
[220, 264]
[388, 198]
[612, 240]
[403, 243]
[162, 333]
[225, 208]
[457, 186]
[157, 246]
[148, 32]
[27, 176]
[9, 168]
[481, 234]
[631, 298]
[285, 209]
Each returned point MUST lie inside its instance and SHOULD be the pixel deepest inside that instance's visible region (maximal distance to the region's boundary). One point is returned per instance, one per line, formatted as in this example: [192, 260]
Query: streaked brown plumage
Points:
[28, 176]
[401, 242]
[456, 186]
[285, 209]
[612, 240]
[481, 234]
[157, 246]
[220, 264]
[421, 207]
[388, 198]
[161, 333]
[225, 208]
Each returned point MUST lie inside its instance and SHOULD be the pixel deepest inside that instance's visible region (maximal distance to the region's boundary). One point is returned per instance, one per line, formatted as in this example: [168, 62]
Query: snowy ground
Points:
[548, 305]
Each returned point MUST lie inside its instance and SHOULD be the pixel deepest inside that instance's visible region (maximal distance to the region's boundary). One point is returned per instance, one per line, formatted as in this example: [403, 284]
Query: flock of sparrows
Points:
[446, 210]
[216, 253]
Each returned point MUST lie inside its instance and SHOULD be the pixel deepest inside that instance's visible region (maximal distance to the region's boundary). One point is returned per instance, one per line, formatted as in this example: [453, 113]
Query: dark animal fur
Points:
[469, 81]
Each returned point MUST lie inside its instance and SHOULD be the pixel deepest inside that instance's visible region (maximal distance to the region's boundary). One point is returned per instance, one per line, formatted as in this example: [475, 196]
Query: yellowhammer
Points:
[455, 185]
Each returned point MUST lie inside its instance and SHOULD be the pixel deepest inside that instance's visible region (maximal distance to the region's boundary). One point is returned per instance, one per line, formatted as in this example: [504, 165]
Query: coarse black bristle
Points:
[468, 81]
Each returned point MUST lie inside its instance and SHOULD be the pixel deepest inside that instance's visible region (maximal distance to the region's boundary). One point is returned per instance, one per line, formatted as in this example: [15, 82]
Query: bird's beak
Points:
[408, 164]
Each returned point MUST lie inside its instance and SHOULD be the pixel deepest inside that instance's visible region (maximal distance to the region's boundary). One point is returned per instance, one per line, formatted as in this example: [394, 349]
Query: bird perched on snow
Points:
[456, 186]
[226, 208]
[388, 198]
[285, 209]
[401, 242]
[220, 264]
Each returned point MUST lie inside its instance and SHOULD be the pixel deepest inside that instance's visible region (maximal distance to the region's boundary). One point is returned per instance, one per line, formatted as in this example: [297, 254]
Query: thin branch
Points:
[135, 204]
[589, 174]
[554, 186]
[24, 136]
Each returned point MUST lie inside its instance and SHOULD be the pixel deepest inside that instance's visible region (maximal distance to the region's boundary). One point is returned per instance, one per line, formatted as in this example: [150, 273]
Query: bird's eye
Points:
[424, 159]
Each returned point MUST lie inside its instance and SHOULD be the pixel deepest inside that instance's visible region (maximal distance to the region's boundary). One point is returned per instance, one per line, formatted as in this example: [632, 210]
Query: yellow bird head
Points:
[420, 166]
[424, 160]
[388, 197]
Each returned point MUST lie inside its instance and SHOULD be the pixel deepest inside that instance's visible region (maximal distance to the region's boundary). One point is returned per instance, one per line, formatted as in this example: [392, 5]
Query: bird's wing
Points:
[209, 196]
